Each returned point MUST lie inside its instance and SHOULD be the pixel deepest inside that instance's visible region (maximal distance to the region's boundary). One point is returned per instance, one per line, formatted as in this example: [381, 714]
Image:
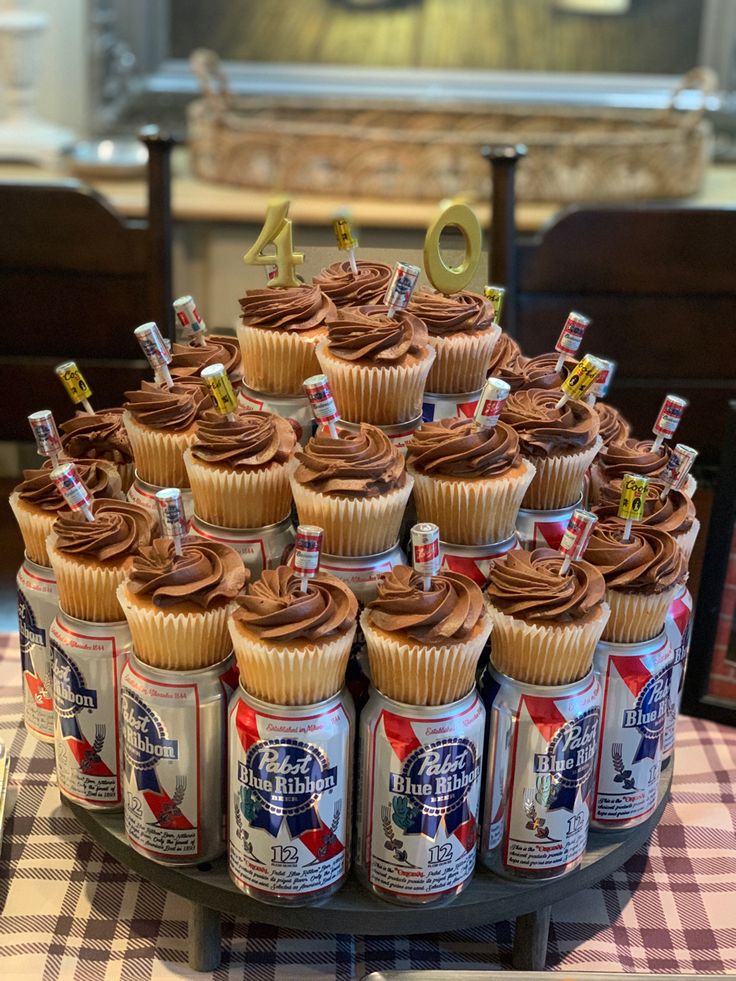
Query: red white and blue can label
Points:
[290, 791]
[543, 529]
[636, 681]
[38, 603]
[678, 627]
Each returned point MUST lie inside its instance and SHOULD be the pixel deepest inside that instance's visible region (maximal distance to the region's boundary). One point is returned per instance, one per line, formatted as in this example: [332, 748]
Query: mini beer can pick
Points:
[580, 380]
[74, 384]
[602, 384]
[321, 402]
[48, 441]
[221, 389]
[71, 487]
[190, 318]
[496, 294]
[571, 336]
[345, 240]
[307, 550]
[171, 514]
[631, 503]
[401, 287]
[155, 349]
[490, 404]
[425, 550]
[576, 537]
[679, 466]
[668, 419]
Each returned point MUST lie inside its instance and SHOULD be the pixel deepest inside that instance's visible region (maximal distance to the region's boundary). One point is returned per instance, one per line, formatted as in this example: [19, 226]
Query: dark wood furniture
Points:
[75, 280]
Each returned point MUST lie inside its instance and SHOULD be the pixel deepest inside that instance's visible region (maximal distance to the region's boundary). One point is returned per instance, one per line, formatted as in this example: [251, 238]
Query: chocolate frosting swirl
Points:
[298, 308]
[276, 609]
[368, 334]
[505, 354]
[650, 562]
[188, 359]
[362, 464]
[675, 514]
[449, 610]
[118, 530]
[528, 586]
[205, 574]
[461, 448]
[614, 428]
[345, 289]
[523, 374]
[174, 409]
[632, 456]
[250, 441]
[97, 436]
[462, 312]
[542, 428]
[37, 487]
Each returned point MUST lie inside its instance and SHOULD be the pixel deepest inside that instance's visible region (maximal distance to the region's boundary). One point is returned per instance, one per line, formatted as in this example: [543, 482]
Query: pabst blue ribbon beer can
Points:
[635, 679]
[449, 406]
[418, 798]
[174, 728]
[539, 775]
[474, 561]
[87, 662]
[259, 548]
[145, 494]
[678, 627]
[543, 529]
[290, 796]
[38, 604]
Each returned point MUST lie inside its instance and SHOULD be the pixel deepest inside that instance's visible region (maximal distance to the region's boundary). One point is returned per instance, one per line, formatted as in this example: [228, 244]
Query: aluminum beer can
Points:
[87, 661]
[297, 410]
[259, 548]
[543, 529]
[362, 573]
[290, 798]
[635, 679]
[399, 434]
[474, 561]
[38, 604]
[419, 778]
[145, 495]
[174, 730]
[678, 627]
[441, 406]
[539, 775]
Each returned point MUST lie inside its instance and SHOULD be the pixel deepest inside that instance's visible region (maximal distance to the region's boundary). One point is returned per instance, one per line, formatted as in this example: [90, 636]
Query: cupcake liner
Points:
[637, 616]
[353, 526]
[87, 591]
[126, 472]
[35, 527]
[298, 673]
[381, 396]
[239, 498]
[545, 654]
[472, 512]
[462, 361]
[159, 453]
[278, 361]
[176, 641]
[559, 479]
[422, 674]
[686, 541]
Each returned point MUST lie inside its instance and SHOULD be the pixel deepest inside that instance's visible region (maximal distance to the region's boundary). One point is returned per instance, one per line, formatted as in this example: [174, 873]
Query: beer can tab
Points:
[71, 487]
[43, 426]
[633, 496]
[307, 549]
[572, 333]
[669, 416]
[189, 316]
[490, 404]
[220, 387]
[343, 234]
[425, 548]
[73, 381]
[577, 534]
[582, 377]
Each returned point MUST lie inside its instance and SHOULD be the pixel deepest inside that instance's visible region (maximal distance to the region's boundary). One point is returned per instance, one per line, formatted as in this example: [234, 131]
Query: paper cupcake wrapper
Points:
[559, 479]
[35, 527]
[300, 673]
[176, 641]
[686, 541]
[353, 526]
[159, 455]
[87, 592]
[381, 396]
[277, 361]
[239, 498]
[637, 616]
[421, 674]
[127, 475]
[472, 512]
[549, 654]
[462, 361]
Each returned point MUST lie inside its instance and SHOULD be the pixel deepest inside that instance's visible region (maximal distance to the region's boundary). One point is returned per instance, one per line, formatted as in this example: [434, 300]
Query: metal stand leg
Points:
[530, 940]
[205, 938]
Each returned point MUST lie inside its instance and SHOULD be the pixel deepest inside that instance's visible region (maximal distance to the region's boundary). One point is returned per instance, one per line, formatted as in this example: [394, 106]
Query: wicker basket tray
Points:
[345, 149]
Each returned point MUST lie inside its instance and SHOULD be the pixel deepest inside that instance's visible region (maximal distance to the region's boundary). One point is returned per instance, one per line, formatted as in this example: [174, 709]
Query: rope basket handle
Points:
[705, 81]
[215, 87]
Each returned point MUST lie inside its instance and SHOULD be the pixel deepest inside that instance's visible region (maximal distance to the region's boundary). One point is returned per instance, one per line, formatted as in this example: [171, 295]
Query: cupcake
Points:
[377, 366]
[561, 443]
[424, 645]
[522, 374]
[278, 335]
[675, 514]
[545, 625]
[187, 360]
[100, 436]
[462, 333]
[628, 456]
[292, 647]
[504, 355]
[642, 577]
[354, 487]
[36, 503]
[345, 289]
[177, 605]
[614, 428]
[468, 480]
[161, 423]
[89, 558]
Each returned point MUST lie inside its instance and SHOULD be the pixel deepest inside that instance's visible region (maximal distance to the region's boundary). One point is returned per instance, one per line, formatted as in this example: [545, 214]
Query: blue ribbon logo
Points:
[648, 714]
[569, 760]
[146, 742]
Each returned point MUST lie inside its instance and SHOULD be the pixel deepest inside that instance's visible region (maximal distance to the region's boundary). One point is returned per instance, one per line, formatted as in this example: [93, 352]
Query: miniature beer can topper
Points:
[580, 380]
[634, 489]
[496, 294]
[401, 287]
[48, 441]
[490, 404]
[221, 389]
[307, 550]
[74, 384]
[174, 523]
[602, 383]
[576, 537]
[668, 419]
[345, 240]
[71, 487]
[321, 402]
[156, 351]
[425, 551]
[190, 318]
[678, 468]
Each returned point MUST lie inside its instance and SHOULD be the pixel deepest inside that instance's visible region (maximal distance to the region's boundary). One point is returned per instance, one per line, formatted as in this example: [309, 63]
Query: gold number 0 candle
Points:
[276, 231]
[452, 279]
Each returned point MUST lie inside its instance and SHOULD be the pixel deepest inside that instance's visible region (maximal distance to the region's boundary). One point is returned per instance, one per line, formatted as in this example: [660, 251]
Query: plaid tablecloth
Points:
[71, 911]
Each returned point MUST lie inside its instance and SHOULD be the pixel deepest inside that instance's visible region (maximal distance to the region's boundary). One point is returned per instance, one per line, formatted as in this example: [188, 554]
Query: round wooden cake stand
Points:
[353, 910]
